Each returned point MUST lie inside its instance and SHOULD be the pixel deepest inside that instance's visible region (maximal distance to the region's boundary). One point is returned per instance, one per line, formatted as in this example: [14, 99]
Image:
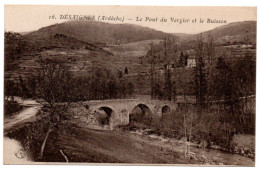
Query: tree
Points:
[183, 60]
[120, 74]
[123, 91]
[53, 82]
[200, 74]
[245, 71]
[245, 86]
[126, 70]
[54, 85]
[152, 66]
[158, 93]
[12, 88]
[13, 49]
[130, 88]
[112, 88]
[168, 87]
[220, 79]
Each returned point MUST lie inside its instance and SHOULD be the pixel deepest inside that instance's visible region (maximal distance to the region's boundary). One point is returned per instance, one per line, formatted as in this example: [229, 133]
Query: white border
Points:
[119, 2]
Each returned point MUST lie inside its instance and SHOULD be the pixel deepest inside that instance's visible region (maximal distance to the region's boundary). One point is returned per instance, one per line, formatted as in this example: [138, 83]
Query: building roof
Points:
[191, 53]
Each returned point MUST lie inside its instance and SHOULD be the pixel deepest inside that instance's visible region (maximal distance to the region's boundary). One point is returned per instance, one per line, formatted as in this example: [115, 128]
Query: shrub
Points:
[198, 125]
[11, 107]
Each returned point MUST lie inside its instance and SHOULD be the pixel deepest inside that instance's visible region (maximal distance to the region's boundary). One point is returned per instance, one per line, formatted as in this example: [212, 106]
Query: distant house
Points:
[170, 66]
[191, 60]
[167, 66]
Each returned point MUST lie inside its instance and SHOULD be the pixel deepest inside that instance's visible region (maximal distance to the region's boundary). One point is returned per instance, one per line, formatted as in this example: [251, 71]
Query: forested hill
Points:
[100, 32]
[232, 33]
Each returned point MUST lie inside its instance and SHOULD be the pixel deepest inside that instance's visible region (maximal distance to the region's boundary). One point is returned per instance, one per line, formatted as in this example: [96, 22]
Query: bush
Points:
[32, 134]
[200, 125]
[11, 107]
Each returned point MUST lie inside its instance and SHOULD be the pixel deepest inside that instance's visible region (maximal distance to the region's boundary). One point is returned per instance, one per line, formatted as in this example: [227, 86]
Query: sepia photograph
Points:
[129, 85]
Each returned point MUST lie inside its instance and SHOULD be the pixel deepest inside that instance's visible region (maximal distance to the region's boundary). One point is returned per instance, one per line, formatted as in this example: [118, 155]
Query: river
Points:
[13, 151]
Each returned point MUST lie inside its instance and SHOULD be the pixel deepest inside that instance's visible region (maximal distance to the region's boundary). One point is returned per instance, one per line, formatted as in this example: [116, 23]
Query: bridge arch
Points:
[104, 114]
[166, 110]
[141, 113]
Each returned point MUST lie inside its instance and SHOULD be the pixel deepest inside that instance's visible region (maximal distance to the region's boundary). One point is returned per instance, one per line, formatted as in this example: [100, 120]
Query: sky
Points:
[23, 18]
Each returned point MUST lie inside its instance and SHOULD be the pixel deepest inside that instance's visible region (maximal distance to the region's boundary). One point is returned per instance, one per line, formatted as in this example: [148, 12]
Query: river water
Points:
[13, 151]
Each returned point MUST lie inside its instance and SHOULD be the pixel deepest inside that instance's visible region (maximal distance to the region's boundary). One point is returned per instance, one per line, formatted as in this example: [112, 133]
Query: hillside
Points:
[135, 49]
[81, 45]
[237, 32]
[23, 52]
[100, 32]
[103, 34]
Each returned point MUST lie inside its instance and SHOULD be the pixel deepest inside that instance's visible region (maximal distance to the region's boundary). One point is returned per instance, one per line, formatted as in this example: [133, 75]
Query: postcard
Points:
[129, 85]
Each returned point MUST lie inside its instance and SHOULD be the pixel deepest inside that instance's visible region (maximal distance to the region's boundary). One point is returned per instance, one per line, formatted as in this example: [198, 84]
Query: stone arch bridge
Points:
[119, 110]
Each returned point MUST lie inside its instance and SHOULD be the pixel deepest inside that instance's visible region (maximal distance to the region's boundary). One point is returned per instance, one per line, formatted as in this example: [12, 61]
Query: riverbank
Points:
[209, 156]
[117, 146]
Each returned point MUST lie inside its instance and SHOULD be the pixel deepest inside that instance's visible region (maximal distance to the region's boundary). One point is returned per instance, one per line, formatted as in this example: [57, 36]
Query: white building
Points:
[191, 62]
